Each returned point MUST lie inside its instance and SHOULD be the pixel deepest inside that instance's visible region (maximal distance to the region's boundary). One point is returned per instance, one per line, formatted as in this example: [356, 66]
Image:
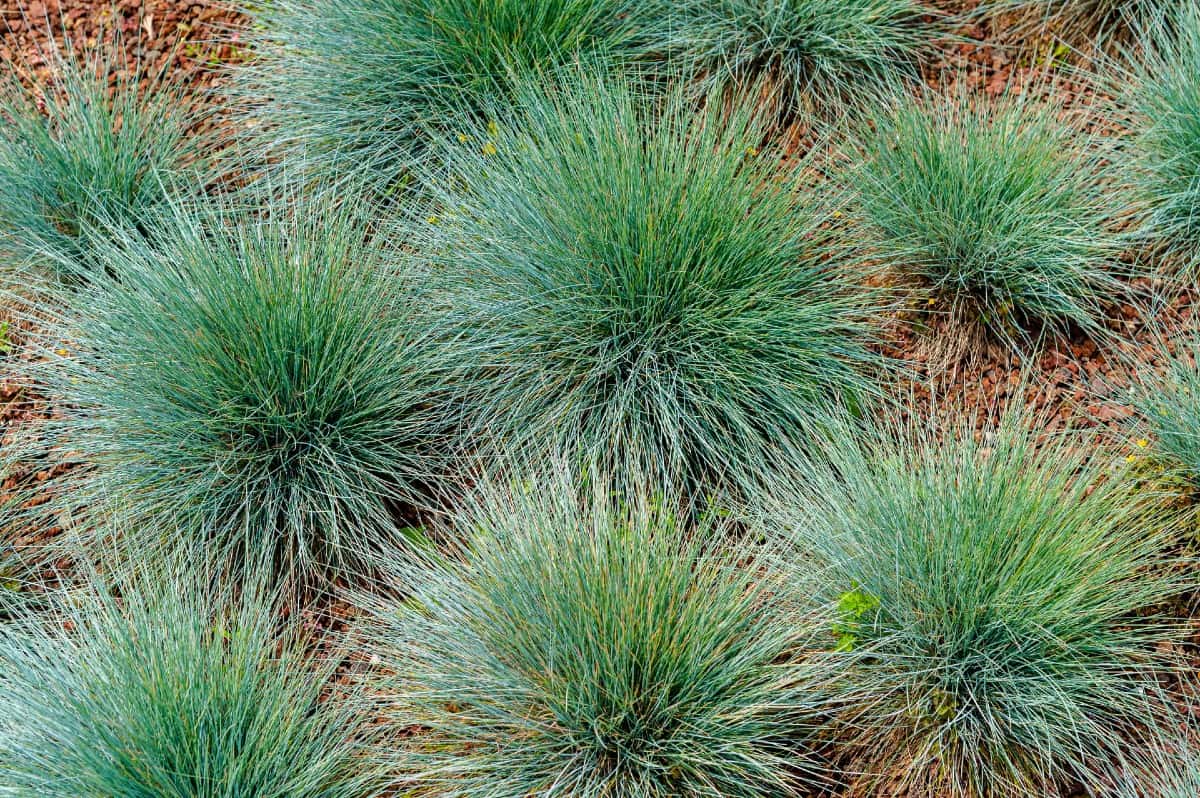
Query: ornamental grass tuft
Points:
[579, 646]
[999, 211]
[267, 383]
[1164, 91]
[637, 281]
[812, 51]
[159, 688]
[87, 156]
[999, 596]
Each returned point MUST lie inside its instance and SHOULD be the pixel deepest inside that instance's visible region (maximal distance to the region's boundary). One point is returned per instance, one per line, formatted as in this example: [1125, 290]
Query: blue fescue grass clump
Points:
[636, 280]
[265, 382]
[1169, 404]
[811, 50]
[576, 645]
[1165, 93]
[364, 84]
[997, 594]
[168, 690]
[998, 209]
[88, 155]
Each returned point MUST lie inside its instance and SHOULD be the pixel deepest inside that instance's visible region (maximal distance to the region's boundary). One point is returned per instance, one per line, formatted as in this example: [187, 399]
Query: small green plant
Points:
[811, 50]
[365, 83]
[997, 208]
[1165, 91]
[641, 282]
[1002, 628]
[82, 160]
[166, 691]
[854, 607]
[576, 648]
[264, 382]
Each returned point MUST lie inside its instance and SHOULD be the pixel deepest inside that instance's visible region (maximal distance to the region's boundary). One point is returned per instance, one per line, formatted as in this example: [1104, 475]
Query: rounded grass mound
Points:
[575, 649]
[998, 209]
[82, 160]
[167, 692]
[363, 84]
[637, 282]
[262, 382]
[1165, 92]
[810, 50]
[997, 597]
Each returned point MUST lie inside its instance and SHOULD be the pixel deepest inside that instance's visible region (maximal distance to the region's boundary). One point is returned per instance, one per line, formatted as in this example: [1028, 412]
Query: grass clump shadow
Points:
[995, 210]
[579, 645]
[158, 687]
[1000, 595]
[633, 280]
[88, 156]
[265, 382]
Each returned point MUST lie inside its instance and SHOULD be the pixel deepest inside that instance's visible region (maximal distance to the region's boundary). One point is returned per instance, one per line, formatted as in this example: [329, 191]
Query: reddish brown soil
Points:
[188, 35]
